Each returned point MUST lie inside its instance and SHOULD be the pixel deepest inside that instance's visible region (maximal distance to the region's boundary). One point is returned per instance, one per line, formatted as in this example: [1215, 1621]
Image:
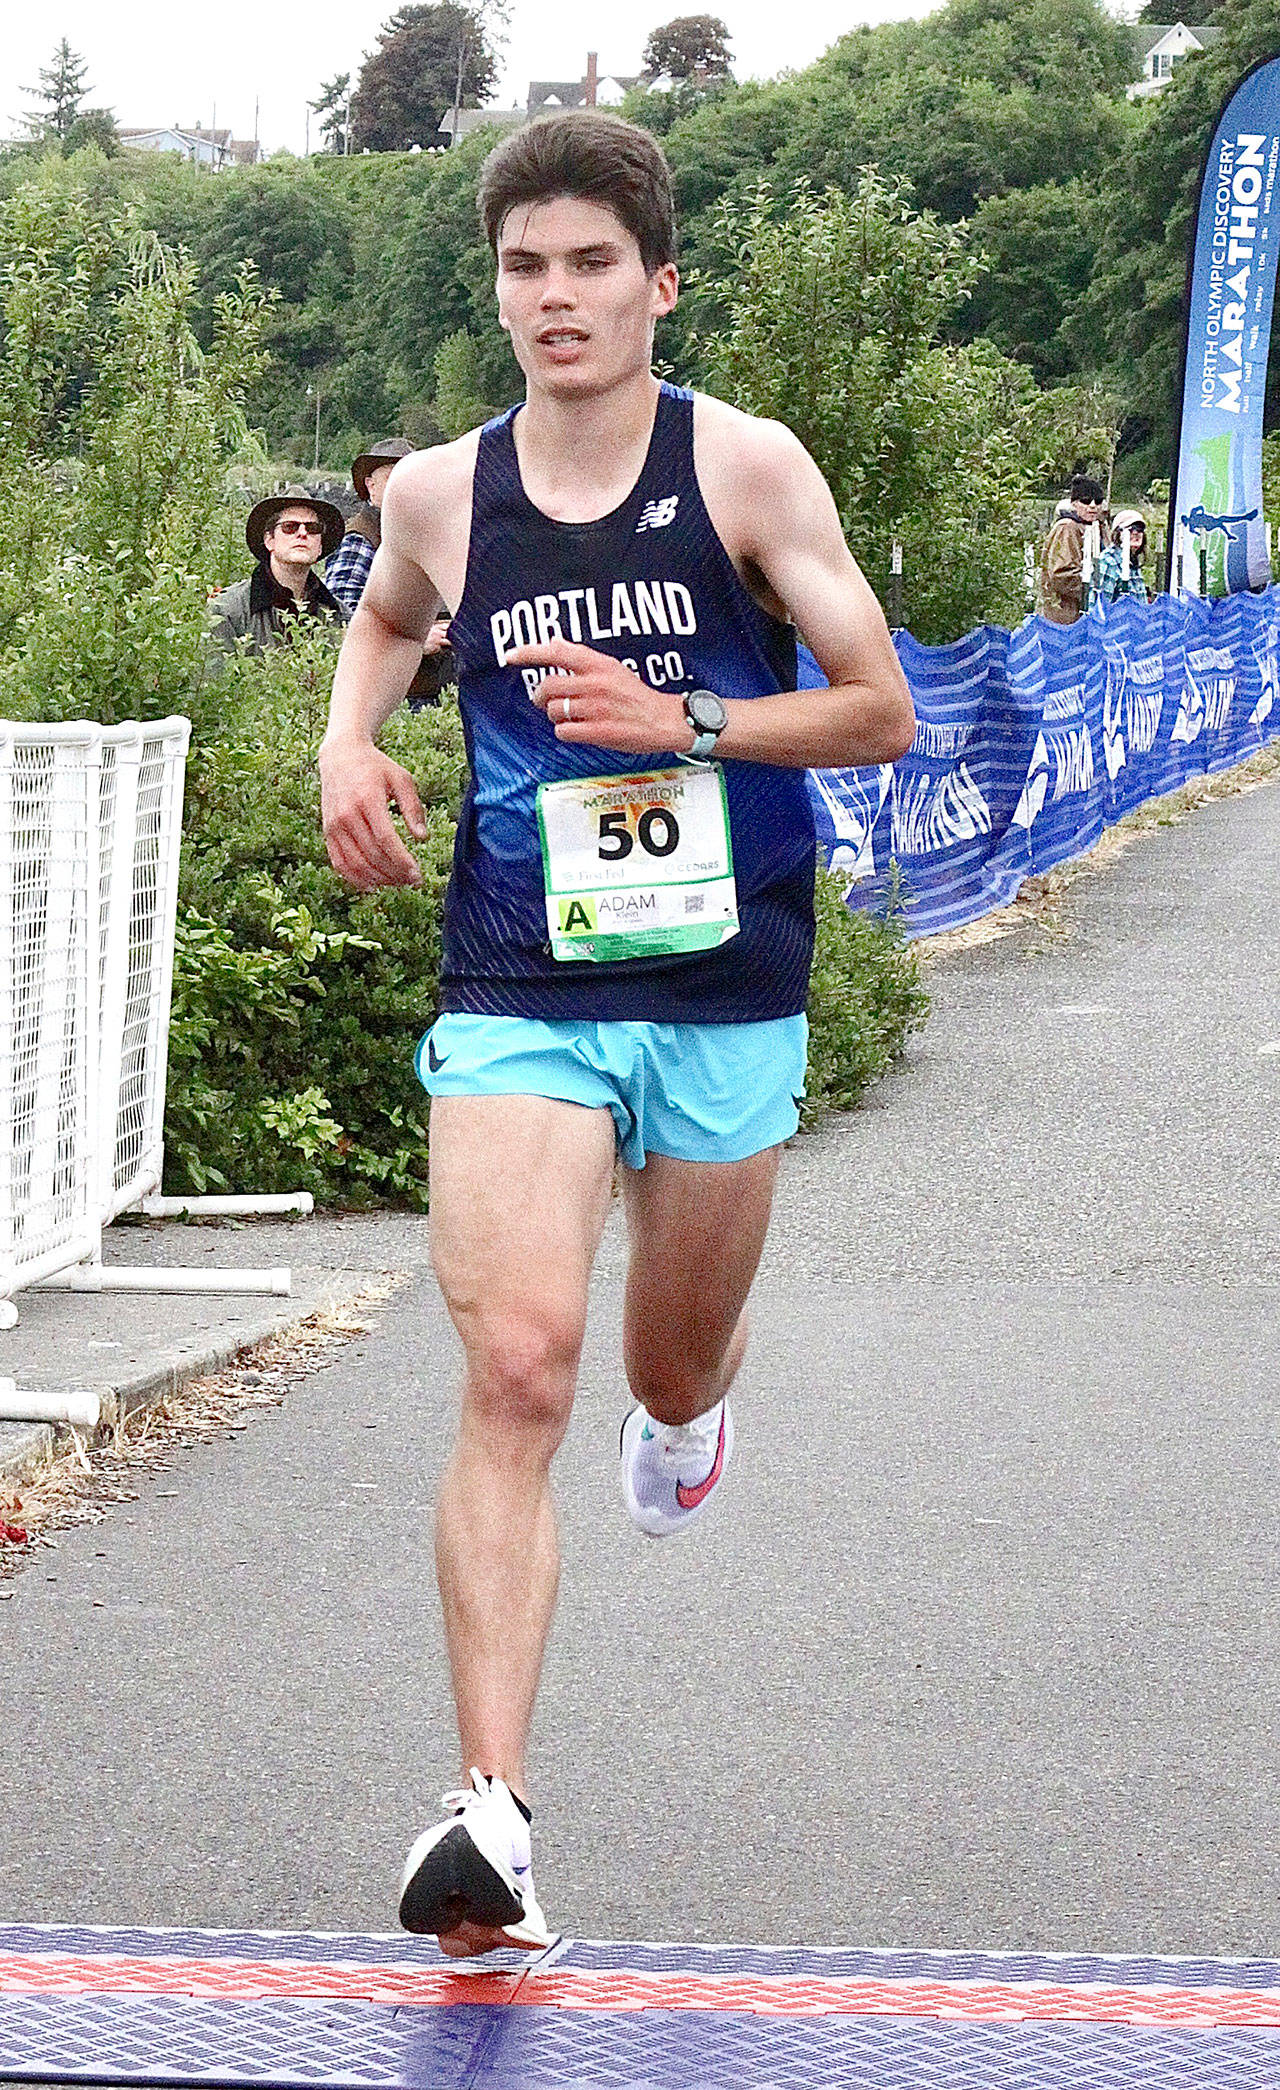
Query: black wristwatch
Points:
[706, 714]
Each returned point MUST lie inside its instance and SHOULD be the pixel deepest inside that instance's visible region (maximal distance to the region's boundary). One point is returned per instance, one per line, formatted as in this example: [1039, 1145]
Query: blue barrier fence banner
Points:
[1217, 471]
[1029, 743]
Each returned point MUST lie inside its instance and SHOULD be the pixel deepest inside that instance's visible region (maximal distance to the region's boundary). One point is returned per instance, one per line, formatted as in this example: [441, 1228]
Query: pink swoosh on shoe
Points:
[689, 1498]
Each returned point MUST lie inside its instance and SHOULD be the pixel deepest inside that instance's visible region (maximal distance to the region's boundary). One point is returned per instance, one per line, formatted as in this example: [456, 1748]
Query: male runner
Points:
[626, 965]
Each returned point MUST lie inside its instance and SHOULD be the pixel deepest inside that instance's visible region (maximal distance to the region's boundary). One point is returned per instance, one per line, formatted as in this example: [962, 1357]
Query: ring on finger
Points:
[568, 707]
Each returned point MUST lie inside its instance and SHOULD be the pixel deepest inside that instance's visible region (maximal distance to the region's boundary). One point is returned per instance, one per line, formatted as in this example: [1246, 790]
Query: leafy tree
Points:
[1194, 13]
[687, 46]
[93, 127]
[116, 431]
[459, 403]
[428, 59]
[332, 106]
[436, 275]
[295, 226]
[1037, 247]
[833, 327]
[983, 97]
[283, 218]
[378, 259]
[62, 89]
[1270, 479]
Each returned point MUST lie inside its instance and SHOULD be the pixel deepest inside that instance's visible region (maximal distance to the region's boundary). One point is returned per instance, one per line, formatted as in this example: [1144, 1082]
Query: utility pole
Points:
[255, 130]
[346, 131]
[457, 87]
[895, 585]
[307, 147]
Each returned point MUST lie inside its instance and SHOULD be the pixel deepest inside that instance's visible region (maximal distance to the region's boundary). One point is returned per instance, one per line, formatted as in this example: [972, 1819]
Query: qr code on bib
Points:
[694, 903]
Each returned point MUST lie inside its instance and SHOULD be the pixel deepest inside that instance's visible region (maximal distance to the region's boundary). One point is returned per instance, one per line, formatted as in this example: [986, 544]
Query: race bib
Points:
[638, 866]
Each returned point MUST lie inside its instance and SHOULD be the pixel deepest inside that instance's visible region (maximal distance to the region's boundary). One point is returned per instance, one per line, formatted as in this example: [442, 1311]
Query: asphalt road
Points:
[980, 1647]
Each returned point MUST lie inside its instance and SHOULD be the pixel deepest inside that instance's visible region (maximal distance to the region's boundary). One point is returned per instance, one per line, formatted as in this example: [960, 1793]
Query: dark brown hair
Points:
[586, 153]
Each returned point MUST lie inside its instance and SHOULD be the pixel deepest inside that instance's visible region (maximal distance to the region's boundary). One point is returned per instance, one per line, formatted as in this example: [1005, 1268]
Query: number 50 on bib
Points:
[638, 866]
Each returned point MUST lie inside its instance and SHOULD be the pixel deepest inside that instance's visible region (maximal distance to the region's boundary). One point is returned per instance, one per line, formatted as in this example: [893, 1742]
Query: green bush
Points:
[297, 1003]
[866, 997]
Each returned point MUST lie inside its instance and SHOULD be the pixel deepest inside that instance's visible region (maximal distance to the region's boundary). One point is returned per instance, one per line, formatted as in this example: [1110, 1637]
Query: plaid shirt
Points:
[348, 570]
[1107, 580]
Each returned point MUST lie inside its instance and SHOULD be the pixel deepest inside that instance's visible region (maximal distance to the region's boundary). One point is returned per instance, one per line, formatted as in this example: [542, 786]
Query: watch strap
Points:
[705, 737]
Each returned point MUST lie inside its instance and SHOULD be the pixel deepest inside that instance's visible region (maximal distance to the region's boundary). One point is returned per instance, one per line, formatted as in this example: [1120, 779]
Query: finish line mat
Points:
[334, 2012]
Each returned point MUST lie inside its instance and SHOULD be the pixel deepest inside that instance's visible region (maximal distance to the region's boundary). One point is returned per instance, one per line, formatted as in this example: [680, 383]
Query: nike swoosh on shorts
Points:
[436, 1060]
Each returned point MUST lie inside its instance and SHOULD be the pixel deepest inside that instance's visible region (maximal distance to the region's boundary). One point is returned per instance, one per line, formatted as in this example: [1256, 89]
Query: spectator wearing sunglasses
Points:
[288, 534]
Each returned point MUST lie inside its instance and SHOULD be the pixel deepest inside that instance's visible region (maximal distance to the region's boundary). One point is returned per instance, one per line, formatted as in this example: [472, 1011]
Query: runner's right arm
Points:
[380, 654]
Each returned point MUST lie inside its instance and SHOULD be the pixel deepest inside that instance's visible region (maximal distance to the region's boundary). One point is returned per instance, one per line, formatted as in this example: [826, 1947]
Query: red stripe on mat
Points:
[555, 1989]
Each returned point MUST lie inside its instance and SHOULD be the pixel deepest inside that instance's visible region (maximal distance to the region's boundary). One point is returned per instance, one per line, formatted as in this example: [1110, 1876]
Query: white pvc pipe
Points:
[83, 1410]
[117, 1277]
[227, 1207]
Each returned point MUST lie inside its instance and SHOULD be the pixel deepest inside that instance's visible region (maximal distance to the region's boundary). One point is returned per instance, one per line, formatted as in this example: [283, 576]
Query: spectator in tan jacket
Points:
[1062, 590]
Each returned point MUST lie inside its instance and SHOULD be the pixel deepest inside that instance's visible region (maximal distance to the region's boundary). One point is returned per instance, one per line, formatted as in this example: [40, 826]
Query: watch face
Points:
[705, 711]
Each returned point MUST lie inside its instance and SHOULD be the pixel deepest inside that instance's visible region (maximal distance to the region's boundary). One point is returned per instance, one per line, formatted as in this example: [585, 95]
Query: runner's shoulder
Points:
[753, 474]
[426, 511]
[755, 456]
[440, 473]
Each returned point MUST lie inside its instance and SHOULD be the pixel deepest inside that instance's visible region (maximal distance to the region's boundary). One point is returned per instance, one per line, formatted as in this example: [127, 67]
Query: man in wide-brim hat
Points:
[289, 533]
[352, 563]
[349, 569]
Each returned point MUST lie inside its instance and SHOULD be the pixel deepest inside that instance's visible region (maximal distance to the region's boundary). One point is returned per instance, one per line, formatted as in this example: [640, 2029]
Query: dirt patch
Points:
[84, 1480]
[1038, 904]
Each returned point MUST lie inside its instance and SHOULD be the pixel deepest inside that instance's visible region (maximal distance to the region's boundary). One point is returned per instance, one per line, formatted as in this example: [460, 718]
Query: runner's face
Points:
[574, 296]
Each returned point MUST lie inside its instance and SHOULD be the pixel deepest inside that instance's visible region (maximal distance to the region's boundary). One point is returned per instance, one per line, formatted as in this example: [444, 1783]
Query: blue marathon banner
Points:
[1216, 480]
[1029, 743]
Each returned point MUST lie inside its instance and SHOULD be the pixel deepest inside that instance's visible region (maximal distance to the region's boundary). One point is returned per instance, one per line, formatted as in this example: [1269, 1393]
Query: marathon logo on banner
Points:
[1217, 471]
[1029, 743]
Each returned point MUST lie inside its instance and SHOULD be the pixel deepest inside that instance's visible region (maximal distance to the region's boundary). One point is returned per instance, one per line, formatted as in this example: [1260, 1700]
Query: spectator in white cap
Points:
[1110, 579]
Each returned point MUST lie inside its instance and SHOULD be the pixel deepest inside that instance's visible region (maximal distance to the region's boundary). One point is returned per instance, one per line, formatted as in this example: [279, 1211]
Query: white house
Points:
[204, 148]
[1157, 47]
[596, 90]
[470, 120]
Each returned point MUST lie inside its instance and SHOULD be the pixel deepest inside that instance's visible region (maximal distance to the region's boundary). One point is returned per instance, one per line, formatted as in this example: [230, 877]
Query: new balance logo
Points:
[655, 515]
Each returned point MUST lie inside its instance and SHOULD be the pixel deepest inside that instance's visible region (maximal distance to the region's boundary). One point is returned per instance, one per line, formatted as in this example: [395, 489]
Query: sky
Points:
[156, 63]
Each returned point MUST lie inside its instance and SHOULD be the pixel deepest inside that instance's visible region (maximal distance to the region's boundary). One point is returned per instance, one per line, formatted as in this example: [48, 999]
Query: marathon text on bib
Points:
[638, 866]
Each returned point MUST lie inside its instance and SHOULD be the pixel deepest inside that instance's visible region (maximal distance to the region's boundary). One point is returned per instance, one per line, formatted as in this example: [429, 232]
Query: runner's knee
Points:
[524, 1376]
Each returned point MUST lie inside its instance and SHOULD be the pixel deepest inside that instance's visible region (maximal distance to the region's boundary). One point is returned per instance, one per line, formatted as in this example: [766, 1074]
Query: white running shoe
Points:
[669, 1471]
[474, 1867]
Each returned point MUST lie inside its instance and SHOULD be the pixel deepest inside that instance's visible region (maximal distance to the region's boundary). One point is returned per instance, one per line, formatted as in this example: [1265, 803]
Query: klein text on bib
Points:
[638, 866]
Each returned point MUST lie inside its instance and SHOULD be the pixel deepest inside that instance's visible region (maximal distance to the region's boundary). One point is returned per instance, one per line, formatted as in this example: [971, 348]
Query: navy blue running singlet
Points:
[651, 584]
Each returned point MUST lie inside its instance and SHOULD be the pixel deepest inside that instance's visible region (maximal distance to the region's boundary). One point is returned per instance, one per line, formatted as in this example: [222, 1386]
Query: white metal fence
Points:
[90, 831]
[90, 835]
[49, 1027]
[140, 831]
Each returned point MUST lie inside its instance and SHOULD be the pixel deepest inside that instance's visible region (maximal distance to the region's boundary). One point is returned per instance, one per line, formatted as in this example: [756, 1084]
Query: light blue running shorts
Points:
[694, 1091]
